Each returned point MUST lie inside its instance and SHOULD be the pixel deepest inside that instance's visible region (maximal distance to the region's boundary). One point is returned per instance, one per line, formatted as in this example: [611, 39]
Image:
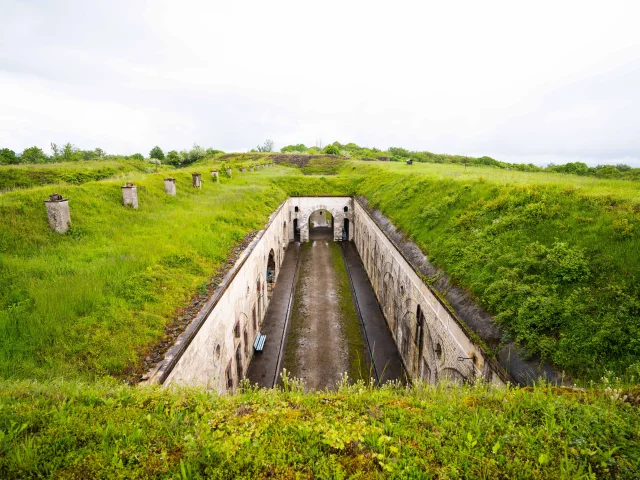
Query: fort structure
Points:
[217, 348]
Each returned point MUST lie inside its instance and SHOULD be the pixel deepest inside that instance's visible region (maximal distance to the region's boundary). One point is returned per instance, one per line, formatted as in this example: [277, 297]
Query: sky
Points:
[545, 81]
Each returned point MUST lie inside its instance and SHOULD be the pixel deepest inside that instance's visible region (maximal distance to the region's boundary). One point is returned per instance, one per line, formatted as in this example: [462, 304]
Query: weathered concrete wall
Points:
[334, 205]
[217, 347]
[431, 340]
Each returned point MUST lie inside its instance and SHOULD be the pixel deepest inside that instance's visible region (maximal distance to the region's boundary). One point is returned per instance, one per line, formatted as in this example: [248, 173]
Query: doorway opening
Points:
[345, 229]
[321, 225]
[271, 273]
[296, 230]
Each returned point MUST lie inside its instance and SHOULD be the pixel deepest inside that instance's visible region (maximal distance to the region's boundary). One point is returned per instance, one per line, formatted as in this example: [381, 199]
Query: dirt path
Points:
[325, 339]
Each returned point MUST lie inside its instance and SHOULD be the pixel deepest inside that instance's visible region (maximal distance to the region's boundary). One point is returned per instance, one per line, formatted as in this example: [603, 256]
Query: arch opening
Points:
[321, 224]
[271, 273]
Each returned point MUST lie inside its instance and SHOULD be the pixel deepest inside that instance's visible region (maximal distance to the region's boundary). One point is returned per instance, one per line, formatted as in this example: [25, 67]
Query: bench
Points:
[258, 345]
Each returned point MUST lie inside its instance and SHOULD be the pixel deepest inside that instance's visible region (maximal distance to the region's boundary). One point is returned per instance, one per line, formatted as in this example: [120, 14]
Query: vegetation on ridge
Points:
[73, 430]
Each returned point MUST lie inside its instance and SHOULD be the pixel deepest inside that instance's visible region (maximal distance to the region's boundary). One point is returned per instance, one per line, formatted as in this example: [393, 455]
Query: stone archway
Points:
[337, 214]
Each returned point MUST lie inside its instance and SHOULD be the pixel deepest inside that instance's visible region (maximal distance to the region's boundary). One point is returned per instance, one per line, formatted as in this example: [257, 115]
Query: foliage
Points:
[103, 430]
[156, 153]
[332, 150]
[90, 302]
[136, 156]
[8, 157]
[267, 146]
[33, 155]
[26, 176]
[299, 148]
[555, 264]
[173, 158]
[323, 166]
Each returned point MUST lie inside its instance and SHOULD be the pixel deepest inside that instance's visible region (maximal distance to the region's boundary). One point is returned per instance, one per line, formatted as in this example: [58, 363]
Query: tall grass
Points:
[74, 430]
[89, 302]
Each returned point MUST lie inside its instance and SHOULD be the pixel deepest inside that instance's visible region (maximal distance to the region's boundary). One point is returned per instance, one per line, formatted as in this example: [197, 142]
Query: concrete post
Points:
[214, 174]
[251, 168]
[170, 186]
[244, 169]
[196, 178]
[58, 213]
[130, 195]
[228, 172]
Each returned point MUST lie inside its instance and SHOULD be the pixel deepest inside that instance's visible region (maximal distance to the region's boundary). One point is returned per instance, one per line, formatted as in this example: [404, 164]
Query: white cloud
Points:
[499, 78]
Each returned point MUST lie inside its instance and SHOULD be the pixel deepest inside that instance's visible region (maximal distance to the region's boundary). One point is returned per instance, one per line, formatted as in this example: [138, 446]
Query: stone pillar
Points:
[196, 178]
[170, 186]
[130, 195]
[58, 213]
[214, 174]
[251, 168]
[229, 172]
[244, 169]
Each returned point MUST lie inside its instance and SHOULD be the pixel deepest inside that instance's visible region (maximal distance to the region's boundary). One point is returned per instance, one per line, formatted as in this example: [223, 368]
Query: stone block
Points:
[58, 213]
[170, 186]
[130, 195]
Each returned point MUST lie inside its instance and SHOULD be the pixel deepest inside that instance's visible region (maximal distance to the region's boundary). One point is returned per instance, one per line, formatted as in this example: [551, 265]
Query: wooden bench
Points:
[258, 345]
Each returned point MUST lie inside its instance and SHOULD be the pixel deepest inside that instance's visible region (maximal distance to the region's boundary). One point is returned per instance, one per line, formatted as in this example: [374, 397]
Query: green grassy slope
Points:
[27, 176]
[72, 430]
[554, 258]
[91, 301]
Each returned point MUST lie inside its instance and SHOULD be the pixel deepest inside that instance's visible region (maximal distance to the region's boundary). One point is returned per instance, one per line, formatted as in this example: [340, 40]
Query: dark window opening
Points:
[438, 351]
[295, 209]
[229, 376]
[346, 209]
[236, 330]
[239, 362]
[255, 319]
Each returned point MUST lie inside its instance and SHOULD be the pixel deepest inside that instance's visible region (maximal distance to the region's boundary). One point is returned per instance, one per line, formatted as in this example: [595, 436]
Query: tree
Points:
[70, 153]
[301, 147]
[266, 147]
[136, 156]
[33, 155]
[156, 153]
[332, 150]
[173, 158]
[8, 157]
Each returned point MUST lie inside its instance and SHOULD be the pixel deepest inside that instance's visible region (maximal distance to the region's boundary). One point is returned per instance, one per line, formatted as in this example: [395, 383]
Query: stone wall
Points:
[215, 350]
[431, 340]
[306, 206]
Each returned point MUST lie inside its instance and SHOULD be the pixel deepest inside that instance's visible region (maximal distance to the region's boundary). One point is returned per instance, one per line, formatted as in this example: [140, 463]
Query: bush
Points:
[332, 150]
[8, 157]
[156, 153]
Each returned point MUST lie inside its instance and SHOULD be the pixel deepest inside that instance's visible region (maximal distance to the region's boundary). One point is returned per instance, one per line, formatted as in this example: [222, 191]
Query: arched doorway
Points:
[321, 225]
[345, 229]
[271, 273]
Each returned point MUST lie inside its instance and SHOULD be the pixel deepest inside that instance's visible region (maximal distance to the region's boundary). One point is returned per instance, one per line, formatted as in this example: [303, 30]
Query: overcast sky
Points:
[519, 81]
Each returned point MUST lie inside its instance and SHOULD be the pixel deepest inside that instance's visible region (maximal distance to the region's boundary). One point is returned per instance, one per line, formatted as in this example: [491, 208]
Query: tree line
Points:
[70, 153]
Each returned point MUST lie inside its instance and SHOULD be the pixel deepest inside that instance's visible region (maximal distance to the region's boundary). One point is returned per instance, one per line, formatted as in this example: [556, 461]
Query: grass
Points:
[76, 173]
[359, 358]
[323, 166]
[103, 430]
[91, 302]
[556, 262]
[553, 257]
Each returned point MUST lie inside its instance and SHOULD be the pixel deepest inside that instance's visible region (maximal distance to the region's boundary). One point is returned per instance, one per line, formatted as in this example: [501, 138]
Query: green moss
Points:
[359, 359]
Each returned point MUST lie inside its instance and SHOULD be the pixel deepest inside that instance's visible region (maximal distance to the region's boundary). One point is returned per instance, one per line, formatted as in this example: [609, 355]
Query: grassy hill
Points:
[27, 176]
[554, 257]
[102, 430]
